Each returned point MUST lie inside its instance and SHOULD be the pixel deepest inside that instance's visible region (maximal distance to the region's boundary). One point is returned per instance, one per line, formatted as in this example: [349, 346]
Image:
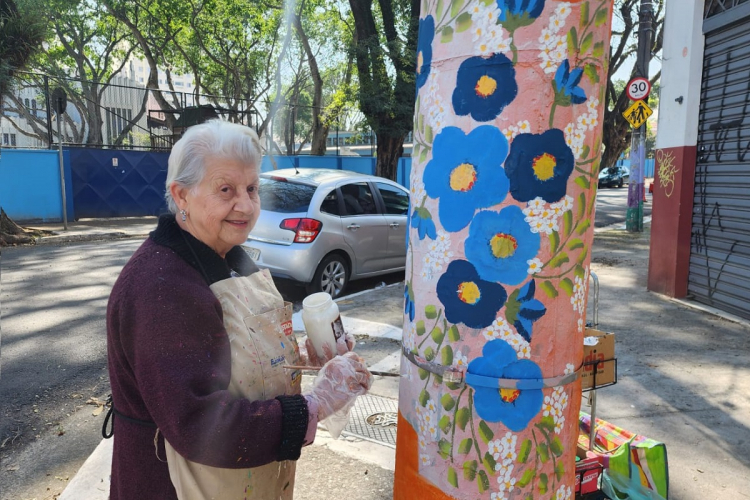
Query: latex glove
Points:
[309, 357]
[339, 382]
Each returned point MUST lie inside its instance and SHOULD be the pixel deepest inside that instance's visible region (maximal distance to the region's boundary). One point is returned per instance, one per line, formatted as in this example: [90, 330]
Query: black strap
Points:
[113, 412]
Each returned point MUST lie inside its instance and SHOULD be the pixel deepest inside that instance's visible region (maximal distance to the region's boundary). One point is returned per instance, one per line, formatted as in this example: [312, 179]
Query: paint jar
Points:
[320, 314]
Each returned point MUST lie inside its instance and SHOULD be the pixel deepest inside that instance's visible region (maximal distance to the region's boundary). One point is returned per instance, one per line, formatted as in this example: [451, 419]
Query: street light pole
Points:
[634, 217]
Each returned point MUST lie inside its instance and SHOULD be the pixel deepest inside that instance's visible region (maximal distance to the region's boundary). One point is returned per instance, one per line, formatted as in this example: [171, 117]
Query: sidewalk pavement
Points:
[683, 379]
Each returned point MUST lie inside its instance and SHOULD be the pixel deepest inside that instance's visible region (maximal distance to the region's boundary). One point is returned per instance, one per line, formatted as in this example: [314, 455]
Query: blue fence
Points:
[30, 188]
[114, 183]
[648, 168]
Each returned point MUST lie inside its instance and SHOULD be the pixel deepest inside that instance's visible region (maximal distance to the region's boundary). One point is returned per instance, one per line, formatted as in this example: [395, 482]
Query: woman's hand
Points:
[339, 382]
[309, 357]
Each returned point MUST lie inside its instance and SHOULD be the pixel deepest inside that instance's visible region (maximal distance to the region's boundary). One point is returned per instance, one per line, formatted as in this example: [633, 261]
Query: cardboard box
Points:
[588, 473]
[599, 363]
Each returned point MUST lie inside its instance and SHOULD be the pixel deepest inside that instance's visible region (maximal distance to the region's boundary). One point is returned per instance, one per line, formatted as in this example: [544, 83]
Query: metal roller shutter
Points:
[720, 246]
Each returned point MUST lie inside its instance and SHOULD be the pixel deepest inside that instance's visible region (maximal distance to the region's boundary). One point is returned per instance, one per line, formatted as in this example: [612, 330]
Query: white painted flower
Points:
[546, 36]
[432, 430]
[507, 481]
[477, 32]
[537, 203]
[495, 448]
[443, 237]
[583, 121]
[569, 129]
[556, 23]
[563, 493]
[564, 400]
[559, 425]
[580, 324]
[593, 122]
[498, 495]
[569, 368]
[417, 190]
[563, 10]
[422, 443]
[550, 225]
[424, 459]
[460, 360]
[524, 352]
[593, 105]
[431, 406]
[508, 134]
[536, 224]
[432, 88]
[524, 127]
[499, 329]
[548, 66]
[535, 265]
[501, 44]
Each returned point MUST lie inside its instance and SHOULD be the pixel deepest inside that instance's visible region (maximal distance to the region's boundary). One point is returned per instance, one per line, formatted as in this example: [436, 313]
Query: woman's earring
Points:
[183, 213]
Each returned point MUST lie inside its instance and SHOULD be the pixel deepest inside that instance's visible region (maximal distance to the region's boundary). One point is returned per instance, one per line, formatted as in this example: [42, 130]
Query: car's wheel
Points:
[331, 277]
[619, 185]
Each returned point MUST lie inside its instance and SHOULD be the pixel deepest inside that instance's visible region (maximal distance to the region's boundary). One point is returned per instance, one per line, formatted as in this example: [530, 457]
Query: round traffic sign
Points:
[638, 88]
[59, 100]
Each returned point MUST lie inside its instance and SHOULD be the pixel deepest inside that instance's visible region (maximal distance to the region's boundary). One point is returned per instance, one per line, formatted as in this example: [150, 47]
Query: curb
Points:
[80, 238]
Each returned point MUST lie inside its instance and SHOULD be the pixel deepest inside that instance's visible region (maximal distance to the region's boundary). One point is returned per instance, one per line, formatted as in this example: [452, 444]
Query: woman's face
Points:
[224, 207]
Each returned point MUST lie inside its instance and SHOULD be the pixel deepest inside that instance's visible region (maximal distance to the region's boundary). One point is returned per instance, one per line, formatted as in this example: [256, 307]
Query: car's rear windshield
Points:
[278, 195]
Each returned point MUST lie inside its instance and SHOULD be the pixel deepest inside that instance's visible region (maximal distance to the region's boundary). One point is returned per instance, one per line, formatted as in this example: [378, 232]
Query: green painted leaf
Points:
[601, 17]
[424, 214]
[489, 462]
[586, 43]
[567, 286]
[598, 49]
[567, 222]
[524, 451]
[424, 396]
[465, 447]
[446, 355]
[526, 478]
[559, 470]
[470, 470]
[512, 307]
[548, 288]
[543, 480]
[420, 328]
[448, 402]
[463, 415]
[547, 423]
[574, 244]
[579, 271]
[423, 155]
[559, 259]
[542, 452]
[444, 448]
[415, 150]
[528, 496]
[456, 7]
[483, 482]
[583, 226]
[420, 122]
[429, 354]
[446, 34]
[484, 432]
[592, 72]
[463, 22]
[556, 446]
[452, 477]
[423, 374]
[437, 334]
[453, 334]
[428, 134]
[430, 312]
[439, 9]
[582, 257]
[445, 423]
[554, 241]
[583, 182]
[581, 206]
[453, 386]
[585, 152]
[585, 11]
[438, 379]
[573, 40]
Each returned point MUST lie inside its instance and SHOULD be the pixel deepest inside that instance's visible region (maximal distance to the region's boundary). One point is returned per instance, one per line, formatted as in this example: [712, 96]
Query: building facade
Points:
[700, 235]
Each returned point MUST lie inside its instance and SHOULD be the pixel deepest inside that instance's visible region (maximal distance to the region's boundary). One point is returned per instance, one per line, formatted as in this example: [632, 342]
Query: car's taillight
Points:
[305, 230]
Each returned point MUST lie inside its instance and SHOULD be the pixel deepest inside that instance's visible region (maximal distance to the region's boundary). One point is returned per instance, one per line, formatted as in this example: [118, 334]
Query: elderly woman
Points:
[197, 339]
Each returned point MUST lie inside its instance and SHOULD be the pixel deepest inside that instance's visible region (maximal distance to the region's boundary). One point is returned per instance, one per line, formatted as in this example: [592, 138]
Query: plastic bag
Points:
[619, 487]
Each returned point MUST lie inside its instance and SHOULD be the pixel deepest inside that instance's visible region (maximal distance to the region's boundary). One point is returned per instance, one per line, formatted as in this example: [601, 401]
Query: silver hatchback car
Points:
[325, 227]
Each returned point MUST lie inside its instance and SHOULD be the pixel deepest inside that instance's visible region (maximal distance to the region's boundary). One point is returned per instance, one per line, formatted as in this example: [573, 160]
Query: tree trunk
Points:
[11, 233]
[390, 149]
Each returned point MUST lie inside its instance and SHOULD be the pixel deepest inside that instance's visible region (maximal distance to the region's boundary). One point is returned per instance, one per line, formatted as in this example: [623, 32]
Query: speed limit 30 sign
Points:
[638, 88]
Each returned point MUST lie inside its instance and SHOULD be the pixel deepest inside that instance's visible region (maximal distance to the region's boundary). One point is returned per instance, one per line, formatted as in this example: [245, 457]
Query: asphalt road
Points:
[54, 371]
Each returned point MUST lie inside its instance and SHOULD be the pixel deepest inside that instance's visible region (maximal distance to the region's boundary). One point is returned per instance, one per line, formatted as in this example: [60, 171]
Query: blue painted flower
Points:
[500, 244]
[522, 309]
[467, 298]
[484, 86]
[515, 14]
[409, 307]
[566, 87]
[466, 173]
[513, 407]
[424, 49]
[539, 165]
[422, 221]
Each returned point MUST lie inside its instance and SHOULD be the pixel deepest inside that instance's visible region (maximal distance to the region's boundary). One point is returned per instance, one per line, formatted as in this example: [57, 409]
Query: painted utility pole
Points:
[507, 146]
[634, 216]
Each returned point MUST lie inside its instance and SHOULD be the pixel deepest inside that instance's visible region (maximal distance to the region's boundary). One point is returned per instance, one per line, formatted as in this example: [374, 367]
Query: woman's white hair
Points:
[215, 138]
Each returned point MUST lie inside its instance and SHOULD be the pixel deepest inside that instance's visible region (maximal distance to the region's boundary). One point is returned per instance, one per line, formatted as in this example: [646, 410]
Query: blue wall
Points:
[30, 185]
[30, 181]
[648, 167]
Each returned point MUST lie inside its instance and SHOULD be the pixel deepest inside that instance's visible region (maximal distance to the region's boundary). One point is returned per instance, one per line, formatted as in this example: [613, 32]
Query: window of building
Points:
[178, 84]
[12, 139]
[140, 79]
[26, 103]
[6, 139]
[33, 107]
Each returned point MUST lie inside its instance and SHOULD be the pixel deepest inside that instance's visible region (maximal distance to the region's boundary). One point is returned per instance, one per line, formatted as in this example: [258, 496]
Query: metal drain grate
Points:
[374, 418]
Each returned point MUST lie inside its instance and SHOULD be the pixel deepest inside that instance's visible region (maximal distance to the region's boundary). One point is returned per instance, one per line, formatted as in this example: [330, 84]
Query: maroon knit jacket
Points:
[169, 363]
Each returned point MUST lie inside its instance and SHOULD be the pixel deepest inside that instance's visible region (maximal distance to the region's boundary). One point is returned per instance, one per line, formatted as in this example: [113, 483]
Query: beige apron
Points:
[259, 325]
